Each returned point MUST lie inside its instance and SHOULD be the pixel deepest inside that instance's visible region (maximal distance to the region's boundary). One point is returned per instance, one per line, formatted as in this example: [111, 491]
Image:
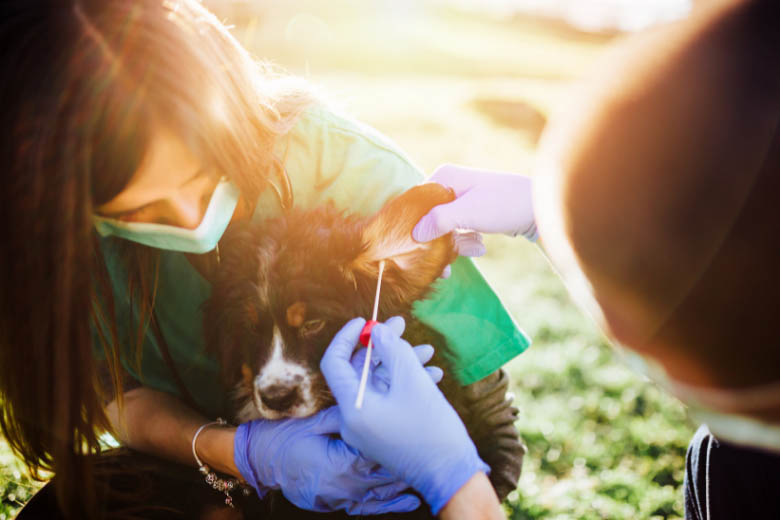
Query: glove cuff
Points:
[531, 233]
[447, 480]
[527, 214]
[241, 457]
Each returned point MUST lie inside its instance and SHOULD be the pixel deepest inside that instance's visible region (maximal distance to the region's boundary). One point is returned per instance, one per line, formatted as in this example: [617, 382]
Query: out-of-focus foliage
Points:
[458, 87]
[602, 441]
[16, 488]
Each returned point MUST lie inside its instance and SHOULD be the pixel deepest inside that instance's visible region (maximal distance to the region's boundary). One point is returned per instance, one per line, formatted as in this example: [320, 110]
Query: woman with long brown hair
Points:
[120, 115]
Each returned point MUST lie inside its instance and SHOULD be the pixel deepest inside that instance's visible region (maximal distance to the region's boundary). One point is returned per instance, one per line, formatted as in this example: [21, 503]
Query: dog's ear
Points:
[238, 298]
[411, 266]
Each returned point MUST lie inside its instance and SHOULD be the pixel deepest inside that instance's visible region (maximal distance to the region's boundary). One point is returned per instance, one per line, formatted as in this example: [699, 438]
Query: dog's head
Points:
[286, 286]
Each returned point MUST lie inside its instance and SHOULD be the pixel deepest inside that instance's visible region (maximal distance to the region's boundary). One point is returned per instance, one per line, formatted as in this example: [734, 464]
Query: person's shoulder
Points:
[329, 155]
[323, 122]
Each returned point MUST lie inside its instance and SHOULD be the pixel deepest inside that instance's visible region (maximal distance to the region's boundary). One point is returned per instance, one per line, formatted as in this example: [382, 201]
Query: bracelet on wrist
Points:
[221, 485]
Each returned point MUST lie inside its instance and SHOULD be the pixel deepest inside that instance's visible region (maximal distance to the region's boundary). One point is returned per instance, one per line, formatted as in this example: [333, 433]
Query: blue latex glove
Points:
[315, 470]
[381, 376]
[407, 426]
[379, 373]
[486, 201]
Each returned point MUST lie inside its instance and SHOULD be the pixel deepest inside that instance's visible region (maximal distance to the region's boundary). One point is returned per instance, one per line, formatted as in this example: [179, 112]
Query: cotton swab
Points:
[367, 362]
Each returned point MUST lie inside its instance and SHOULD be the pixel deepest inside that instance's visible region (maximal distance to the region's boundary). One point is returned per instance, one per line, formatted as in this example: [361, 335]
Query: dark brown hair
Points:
[82, 84]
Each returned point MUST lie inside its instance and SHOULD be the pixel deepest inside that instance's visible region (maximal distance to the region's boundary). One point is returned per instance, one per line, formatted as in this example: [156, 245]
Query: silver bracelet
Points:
[218, 484]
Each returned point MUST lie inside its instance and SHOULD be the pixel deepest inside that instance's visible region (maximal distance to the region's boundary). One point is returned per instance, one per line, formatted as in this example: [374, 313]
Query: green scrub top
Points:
[327, 157]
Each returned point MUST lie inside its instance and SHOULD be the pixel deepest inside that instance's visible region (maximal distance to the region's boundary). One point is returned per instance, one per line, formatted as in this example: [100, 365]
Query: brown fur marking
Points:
[296, 314]
[388, 236]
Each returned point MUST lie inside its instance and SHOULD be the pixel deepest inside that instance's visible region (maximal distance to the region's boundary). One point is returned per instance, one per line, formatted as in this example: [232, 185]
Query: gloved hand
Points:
[315, 470]
[407, 426]
[379, 373]
[381, 376]
[488, 202]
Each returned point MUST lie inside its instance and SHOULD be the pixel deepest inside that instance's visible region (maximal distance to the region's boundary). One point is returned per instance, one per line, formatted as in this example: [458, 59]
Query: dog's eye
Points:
[311, 327]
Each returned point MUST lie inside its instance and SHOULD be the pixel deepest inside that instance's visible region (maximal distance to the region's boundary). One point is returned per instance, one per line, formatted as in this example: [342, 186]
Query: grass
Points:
[602, 441]
[16, 487]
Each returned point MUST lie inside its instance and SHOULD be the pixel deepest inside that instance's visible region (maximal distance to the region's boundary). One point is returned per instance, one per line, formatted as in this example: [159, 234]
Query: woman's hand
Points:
[405, 423]
[315, 470]
[487, 202]
[379, 374]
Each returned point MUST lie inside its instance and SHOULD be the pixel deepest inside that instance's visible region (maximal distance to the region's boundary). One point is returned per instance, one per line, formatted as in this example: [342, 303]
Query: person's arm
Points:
[438, 459]
[158, 423]
[300, 457]
[476, 500]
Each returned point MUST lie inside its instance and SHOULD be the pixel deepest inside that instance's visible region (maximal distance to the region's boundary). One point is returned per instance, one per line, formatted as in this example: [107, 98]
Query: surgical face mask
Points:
[727, 413]
[200, 240]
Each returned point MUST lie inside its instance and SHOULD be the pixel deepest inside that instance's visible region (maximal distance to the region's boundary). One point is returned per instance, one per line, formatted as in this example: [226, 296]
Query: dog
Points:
[285, 286]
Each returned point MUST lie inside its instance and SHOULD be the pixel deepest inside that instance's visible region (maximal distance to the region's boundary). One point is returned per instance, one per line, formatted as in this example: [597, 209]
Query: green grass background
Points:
[450, 86]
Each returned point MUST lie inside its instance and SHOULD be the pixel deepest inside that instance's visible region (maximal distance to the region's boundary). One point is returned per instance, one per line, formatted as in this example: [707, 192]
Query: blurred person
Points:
[133, 134]
[656, 198]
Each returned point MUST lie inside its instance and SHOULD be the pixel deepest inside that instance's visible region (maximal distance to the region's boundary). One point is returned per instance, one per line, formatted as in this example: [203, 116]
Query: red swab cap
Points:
[365, 334]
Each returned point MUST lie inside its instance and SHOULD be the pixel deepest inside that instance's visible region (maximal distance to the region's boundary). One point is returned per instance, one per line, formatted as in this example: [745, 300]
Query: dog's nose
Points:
[279, 397]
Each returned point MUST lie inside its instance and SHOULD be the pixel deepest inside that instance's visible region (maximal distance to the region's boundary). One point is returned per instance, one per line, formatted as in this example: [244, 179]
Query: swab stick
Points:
[367, 362]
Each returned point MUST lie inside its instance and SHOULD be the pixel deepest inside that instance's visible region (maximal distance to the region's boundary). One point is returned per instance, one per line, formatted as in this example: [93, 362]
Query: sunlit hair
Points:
[662, 196]
[83, 84]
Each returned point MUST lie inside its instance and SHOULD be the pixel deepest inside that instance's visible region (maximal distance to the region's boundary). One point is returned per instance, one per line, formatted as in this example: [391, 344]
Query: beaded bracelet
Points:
[225, 486]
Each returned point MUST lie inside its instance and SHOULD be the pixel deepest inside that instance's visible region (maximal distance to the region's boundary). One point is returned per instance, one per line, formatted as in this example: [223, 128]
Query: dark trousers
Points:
[725, 481]
[131, 485]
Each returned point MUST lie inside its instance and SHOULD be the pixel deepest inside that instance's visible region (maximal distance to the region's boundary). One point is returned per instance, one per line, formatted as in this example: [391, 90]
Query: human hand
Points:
[406, 425]
[488, 202]
[379, 374]
[315, 470]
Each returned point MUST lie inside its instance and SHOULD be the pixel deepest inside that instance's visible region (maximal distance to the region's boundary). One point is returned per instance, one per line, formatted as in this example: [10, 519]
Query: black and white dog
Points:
[286, 286]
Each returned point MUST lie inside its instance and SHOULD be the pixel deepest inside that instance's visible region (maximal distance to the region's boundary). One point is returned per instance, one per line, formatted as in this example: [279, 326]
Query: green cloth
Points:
[327, 157]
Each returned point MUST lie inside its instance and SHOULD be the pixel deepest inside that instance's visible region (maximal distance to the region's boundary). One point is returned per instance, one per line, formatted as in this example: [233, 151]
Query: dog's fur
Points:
[286, 286]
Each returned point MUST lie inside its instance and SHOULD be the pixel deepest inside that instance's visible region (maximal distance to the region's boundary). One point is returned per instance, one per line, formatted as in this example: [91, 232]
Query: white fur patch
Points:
[278, 370]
